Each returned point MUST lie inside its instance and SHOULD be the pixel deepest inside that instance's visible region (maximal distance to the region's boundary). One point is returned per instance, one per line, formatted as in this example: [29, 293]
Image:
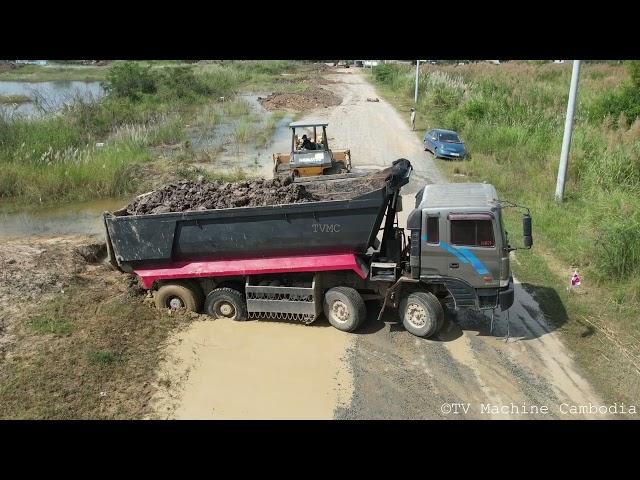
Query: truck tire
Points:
[226, 302]
[178, 295]
[344, 308]
[421, 314]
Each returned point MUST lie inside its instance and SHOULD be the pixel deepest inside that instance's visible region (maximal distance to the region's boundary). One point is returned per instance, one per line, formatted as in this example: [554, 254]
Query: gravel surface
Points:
[391, 373]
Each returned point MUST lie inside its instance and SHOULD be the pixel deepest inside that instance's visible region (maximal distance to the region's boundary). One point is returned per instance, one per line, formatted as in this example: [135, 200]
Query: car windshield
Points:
[449, 138]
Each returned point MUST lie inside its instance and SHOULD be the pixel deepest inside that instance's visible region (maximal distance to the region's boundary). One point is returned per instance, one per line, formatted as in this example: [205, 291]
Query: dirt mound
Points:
[314, 98]
[5, 67]
[345, 187]
[92, 252]
[30, 268]
[202, 195]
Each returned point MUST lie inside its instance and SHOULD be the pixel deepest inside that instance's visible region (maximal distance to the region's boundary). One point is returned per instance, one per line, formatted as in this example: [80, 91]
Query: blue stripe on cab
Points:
[454, 251]
[475, 262]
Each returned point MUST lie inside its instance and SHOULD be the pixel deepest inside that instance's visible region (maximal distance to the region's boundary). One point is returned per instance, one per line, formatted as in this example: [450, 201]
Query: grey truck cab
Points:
[458, 242]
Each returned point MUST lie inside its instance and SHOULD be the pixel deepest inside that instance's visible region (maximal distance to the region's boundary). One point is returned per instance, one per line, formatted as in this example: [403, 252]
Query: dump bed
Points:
[321, 227]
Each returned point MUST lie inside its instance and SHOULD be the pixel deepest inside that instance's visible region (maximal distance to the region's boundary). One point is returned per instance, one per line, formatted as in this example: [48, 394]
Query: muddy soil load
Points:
[344, 186]
[202, 195]
[329, 216]
[189, 196]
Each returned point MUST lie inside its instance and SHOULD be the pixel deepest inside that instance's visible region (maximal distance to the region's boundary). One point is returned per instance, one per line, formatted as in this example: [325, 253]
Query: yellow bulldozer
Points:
[310, 153]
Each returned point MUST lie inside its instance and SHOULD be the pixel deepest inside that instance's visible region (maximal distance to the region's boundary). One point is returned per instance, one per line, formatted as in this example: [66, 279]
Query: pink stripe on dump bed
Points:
[250, 266]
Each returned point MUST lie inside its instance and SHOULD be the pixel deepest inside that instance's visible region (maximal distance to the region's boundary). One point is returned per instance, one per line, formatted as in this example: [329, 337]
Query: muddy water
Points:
[221, 369]
[86, 217]
[68, 219]
[254, 160]
[51, 95]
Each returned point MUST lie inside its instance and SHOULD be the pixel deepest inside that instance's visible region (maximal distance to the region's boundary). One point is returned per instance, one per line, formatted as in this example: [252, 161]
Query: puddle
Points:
[229, 154]
[86, 217]
[68, 219]
[267, 370]
[51, 95]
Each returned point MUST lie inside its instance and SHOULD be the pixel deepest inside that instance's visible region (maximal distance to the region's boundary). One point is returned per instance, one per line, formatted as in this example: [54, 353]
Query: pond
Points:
[47, 96]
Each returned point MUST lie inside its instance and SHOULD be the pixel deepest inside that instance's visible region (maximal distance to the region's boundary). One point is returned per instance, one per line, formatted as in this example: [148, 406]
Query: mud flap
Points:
[505, 297]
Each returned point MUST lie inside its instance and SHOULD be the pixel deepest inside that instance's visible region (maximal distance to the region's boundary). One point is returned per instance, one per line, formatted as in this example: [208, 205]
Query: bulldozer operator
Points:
[307, 144]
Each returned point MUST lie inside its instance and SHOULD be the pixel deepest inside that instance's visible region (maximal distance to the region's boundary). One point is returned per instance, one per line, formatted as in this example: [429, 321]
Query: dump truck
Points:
[314, 158]
[300, 261]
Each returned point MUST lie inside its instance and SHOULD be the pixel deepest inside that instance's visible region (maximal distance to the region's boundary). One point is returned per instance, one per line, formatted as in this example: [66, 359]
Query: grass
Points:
[37, 73]
[11, 99]
[44, 324]
[56, 157]
[511, 117]
[89, 354]
[242, 132]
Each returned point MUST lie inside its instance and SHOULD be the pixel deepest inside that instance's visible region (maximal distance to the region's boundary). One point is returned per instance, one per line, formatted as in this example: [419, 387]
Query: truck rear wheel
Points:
[422, 314]
[344, 308]
[226, 303]
[178, 295]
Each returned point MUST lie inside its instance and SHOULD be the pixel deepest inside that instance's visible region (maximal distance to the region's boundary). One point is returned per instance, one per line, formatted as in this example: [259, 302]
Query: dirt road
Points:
[279, 370]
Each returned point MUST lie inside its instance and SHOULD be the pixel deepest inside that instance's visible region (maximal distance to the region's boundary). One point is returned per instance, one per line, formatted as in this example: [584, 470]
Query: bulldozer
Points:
[313, 157]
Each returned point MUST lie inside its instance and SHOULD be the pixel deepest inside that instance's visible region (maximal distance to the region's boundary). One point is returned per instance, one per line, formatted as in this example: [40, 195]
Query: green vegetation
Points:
[623, 102]
[90, 353]
[51, 324]
[9, 99]
[36, 73]
[93, 150]
[511, 117]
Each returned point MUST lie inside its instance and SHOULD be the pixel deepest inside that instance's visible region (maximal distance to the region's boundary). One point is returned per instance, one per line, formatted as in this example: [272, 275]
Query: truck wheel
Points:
[344, 308]
[422, 314]
[178, 295]
[226, 303]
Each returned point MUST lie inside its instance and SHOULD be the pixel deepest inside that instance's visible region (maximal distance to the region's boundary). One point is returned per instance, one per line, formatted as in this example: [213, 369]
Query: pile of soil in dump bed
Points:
[203, 195]
[349, 186]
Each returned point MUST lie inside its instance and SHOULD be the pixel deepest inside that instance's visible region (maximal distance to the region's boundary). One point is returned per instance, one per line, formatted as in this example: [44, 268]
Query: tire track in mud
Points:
[395, 377]
[381, 372]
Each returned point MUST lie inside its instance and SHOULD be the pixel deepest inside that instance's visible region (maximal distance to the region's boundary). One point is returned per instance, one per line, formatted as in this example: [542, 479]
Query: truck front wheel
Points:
[344, 308]
[226, 303]
[178, 295]
[422, 314]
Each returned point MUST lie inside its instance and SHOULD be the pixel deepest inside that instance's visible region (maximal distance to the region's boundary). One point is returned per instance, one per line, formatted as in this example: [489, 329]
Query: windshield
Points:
[309, 139]
[449, 138]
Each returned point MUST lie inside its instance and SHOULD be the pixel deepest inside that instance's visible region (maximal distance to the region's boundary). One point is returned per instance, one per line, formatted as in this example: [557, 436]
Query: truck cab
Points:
[458, 241]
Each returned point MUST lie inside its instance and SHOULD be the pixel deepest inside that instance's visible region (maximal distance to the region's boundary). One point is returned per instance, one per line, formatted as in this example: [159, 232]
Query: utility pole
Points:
[415, 100]
[568, 126]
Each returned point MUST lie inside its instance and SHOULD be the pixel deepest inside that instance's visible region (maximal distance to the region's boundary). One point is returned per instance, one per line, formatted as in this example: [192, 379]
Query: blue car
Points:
[444, 144]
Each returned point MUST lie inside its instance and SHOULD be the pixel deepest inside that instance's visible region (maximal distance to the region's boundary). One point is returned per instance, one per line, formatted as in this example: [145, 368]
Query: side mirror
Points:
[526, 231]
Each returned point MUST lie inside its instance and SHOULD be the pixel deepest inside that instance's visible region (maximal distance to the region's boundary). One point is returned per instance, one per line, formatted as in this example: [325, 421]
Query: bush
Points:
[633, 67]
[617, 252]
[623, 101]
[386, 73]
[182, 83]
[131, 80]
[476, 109]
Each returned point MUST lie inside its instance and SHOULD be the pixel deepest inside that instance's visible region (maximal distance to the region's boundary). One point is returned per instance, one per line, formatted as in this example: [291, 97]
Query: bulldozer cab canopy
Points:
[316, 132]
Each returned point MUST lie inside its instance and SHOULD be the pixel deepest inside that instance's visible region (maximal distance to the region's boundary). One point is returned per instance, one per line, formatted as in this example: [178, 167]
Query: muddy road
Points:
[269, 369]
